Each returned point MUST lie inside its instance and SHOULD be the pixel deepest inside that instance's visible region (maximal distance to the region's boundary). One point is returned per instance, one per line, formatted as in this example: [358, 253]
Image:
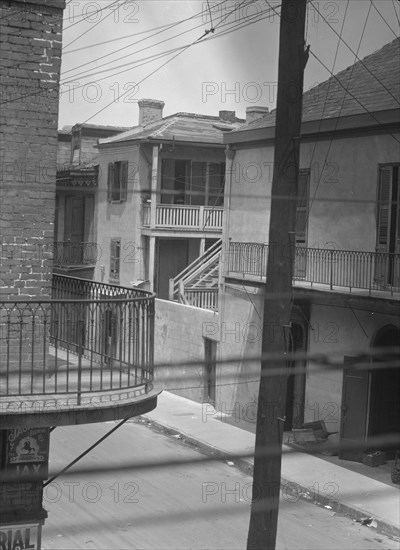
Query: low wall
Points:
[179, 338]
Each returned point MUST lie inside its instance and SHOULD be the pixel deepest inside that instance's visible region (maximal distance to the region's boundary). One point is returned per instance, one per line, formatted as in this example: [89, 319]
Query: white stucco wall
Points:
[120, 220]
[343, 190]
[179, 338]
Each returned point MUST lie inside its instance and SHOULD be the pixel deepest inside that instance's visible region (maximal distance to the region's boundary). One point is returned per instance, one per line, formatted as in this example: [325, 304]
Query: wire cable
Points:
[356, 56]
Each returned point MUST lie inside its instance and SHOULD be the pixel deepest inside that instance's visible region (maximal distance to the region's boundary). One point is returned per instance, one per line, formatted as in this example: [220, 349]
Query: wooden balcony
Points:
[348, 270]
[183, 217]
[89, 346]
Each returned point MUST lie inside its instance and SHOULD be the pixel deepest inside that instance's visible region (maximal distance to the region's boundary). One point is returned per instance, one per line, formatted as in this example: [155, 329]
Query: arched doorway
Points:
[384, 409]
[370, 400]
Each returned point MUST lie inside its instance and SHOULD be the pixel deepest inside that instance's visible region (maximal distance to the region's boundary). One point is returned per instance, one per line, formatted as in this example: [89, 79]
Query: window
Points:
[117, 181]
[192, 182]
[387, 271]
[302, 208]
[115, 259]
[388, 226]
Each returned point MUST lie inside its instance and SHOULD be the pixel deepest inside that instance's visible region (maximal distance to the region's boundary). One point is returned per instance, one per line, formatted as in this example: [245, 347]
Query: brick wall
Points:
[30, 57]
[30, 49]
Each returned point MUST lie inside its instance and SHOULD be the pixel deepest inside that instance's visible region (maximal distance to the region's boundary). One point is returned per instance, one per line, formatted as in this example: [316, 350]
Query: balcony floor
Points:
[382, 294]
[106, 394]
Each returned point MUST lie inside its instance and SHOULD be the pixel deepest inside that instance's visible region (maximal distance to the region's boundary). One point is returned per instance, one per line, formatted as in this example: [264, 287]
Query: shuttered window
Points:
[117, 181]
[115, 258]
[384, 203]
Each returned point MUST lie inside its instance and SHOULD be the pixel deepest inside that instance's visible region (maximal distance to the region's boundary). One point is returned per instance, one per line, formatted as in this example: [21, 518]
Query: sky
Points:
[116, 52]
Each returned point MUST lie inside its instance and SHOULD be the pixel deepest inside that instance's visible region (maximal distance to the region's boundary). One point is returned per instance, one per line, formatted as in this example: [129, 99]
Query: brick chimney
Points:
[227, 116]
[255, 112]
[150, 110]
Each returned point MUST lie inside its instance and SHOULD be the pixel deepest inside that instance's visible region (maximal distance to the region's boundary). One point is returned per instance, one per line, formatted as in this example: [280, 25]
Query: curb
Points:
[292, 488]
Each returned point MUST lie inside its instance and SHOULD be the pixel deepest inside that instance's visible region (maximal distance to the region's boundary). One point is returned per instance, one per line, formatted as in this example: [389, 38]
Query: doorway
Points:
[210, 367]
[371, 400]
[172, 258]
[384, 411]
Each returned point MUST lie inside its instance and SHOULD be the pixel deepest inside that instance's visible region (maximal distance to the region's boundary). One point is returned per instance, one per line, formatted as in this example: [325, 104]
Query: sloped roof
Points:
[373, 84]
[187, 127]
[86, 126]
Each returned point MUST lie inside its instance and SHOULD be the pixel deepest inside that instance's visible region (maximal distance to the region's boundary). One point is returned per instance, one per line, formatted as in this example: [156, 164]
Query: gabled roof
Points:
[373, 84]
[180, 127]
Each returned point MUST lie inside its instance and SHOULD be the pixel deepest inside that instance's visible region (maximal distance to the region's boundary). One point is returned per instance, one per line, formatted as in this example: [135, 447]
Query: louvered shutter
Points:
[110, 181]
[124, 180]
[384, 203]
[112, 259]
[383, 225]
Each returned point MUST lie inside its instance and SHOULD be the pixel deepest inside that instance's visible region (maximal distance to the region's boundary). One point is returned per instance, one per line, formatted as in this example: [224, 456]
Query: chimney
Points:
[150, 110]
[255, 112]
[227, 116]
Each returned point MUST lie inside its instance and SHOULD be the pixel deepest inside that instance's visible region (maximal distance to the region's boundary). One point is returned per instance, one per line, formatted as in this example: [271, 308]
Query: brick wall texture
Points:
[30, 57]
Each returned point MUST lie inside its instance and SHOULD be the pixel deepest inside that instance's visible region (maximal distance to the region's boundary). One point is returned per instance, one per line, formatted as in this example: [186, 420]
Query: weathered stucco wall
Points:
[251, 179]
[343, 190]
[336, 331]
[120, 220]
[179, 337]
[240, 333]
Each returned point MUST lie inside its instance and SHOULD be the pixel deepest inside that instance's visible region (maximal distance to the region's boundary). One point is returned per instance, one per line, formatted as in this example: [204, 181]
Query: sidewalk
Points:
[303, 475]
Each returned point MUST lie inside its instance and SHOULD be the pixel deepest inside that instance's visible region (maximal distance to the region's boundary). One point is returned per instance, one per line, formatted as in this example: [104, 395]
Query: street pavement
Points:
[190, 506]
[309, 476]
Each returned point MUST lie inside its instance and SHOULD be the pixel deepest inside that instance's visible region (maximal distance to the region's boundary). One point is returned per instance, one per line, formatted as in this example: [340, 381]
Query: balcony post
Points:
[152, 254]
[154, 181]
[202, 221]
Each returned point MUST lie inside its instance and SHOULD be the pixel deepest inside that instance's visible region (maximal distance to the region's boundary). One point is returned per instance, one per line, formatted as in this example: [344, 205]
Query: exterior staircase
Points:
[197, 284]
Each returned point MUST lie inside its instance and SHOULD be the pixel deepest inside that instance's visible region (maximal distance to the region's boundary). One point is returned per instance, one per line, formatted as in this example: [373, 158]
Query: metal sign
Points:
[20, 537]
[28, 452]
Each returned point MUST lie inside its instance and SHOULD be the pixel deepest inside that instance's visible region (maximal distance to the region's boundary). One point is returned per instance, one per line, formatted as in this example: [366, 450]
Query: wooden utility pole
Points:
[278, 299]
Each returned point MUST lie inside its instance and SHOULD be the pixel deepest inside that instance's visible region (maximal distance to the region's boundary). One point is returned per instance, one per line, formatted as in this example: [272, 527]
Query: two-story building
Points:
[160, 197]
[345, 252]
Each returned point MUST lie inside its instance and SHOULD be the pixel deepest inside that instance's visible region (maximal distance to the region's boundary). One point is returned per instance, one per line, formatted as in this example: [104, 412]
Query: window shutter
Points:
[124, 180]
[302, 207]
[115, 254]
[110, 181]
[384, 203]
[112, 259]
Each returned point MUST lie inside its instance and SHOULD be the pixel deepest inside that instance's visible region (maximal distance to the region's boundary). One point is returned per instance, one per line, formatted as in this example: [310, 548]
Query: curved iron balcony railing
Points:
[88, 338]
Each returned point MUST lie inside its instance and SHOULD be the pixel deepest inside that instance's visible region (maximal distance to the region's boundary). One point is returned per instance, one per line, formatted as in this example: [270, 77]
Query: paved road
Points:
[194, 506]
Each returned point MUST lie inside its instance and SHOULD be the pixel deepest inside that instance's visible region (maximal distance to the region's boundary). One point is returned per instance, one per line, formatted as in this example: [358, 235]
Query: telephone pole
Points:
[278, 297]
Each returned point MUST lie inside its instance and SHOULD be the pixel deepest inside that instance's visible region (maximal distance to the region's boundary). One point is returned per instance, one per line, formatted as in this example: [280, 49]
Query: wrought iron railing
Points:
[68, 253]
[89, 337]
[348, 269]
